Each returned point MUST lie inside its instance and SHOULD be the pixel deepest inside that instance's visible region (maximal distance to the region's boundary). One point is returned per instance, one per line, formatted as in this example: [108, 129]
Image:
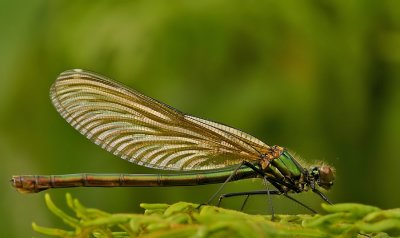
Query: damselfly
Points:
[150, 133]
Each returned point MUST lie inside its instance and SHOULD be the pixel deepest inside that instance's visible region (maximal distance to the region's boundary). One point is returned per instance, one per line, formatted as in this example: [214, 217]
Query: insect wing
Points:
[145, 131]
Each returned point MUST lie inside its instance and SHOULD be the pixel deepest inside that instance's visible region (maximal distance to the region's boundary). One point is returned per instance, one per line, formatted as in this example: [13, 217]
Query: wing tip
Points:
[71, 72]
[64, 75]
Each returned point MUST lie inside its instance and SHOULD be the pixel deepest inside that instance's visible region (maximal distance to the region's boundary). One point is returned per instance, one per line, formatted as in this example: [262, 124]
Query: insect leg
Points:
[244, 202]
[266, 180]
[263, 192]
[223, 185]
[269, 198]
[244, 163]
[300, 203]
[247, 194]
[275, 182]
[323, 196]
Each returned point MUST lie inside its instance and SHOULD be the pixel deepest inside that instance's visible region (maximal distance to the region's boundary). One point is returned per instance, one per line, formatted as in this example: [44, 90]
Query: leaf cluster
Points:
[184, 219]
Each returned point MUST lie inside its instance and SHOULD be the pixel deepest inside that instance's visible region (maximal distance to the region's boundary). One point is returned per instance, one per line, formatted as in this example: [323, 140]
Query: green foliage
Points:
[184, 219]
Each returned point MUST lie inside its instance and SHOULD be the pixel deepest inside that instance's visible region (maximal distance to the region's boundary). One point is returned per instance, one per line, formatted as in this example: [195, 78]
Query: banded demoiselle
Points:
[150, 133]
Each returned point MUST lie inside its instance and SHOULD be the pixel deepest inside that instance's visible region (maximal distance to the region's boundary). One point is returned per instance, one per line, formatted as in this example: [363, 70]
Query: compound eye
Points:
[326, 177]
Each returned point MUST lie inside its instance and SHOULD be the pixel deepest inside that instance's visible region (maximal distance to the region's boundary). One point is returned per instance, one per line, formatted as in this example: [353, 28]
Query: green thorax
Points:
[285, 167]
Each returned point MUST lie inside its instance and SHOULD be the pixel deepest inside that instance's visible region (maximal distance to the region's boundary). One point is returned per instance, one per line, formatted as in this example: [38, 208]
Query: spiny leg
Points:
[320, 194]
[263, 192]
[300, 203]
[244, 202]
[259, 171]
[244, 163]
[269, 198]
[223, 185]
[247, 194]
[273, 181]
[323, 196]
[277, 183]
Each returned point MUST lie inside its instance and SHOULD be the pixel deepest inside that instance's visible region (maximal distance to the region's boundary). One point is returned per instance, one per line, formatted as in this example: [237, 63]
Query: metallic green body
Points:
[283, 168]
[287, 165]
[37, 183]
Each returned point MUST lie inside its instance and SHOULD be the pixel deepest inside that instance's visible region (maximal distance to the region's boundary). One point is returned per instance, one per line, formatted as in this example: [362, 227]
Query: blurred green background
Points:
[319, 77]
